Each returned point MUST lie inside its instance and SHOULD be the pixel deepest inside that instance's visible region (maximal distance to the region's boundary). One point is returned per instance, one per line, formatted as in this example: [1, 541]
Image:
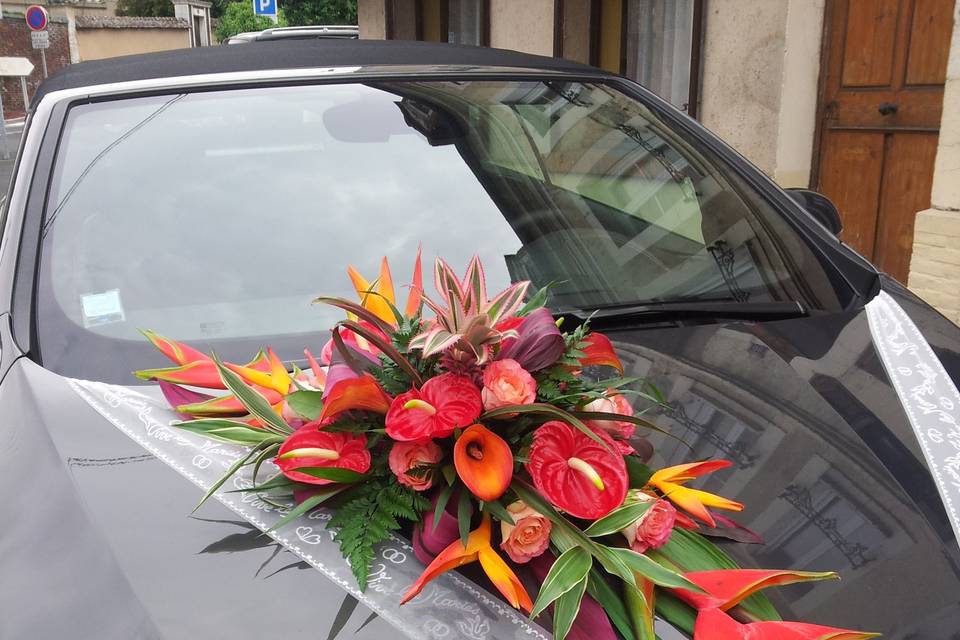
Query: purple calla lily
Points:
[538, 344]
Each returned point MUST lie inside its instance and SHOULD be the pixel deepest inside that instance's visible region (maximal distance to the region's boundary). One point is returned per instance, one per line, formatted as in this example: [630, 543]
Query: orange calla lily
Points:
[726, 588]
[361, 393]
[377, 297]
[484, 462]
[695, 502]
[713, 624]
[477, 548]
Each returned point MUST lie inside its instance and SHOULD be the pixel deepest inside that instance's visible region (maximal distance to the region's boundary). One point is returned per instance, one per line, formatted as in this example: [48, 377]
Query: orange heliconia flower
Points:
[695, 502]
[478, 548]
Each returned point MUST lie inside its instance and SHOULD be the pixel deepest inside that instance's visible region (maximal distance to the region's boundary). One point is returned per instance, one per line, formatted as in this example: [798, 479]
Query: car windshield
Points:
[217, 216]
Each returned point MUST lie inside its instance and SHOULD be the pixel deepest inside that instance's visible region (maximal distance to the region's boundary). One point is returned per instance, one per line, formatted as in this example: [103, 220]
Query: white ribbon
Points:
[928, 395]
[449, 607]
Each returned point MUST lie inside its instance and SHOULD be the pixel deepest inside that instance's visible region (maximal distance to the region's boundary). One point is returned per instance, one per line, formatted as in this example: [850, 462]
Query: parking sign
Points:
[265, 7]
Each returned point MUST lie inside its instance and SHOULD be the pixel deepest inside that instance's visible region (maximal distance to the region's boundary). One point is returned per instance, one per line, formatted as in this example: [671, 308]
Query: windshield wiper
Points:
[692, 310]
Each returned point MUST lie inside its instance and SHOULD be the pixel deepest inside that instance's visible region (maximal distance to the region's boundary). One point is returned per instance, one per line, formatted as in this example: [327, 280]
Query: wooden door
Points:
[881, 94]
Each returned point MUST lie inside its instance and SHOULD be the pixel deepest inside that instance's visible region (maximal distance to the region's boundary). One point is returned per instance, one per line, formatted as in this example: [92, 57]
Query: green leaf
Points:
[251, 399]
[333, 474]
[569, 569]
[308, 404]
[224, 430]
[675, 611]
[464, 511]
[566, 609]
[442, 501]
[687, 551]
[652, 570]
[232, 470]
[449, 473]
[498, 510]
[388, 349]
[536, 301]
[619, 417]
[638, 472]
[566, 535]
[278, 481]
[547, 410]
[268, 452]
[618, 519]
[305, 506]
[366, 516]
[600, 590]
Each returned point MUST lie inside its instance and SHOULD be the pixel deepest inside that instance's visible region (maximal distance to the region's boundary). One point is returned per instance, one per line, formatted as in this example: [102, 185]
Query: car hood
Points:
[823, 456]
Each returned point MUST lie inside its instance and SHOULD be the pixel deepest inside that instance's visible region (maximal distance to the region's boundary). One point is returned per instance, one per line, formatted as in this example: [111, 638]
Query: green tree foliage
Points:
[239, 17]
[160, 8]
[145, 8]
[309, 12]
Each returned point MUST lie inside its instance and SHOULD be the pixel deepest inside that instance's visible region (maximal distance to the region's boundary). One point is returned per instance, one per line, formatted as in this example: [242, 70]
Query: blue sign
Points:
[265, 7]
[37, 17]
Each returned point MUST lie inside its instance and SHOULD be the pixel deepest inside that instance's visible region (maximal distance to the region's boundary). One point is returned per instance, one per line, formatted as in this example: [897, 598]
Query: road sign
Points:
[36, 17]
[265, 7]
[40, 39]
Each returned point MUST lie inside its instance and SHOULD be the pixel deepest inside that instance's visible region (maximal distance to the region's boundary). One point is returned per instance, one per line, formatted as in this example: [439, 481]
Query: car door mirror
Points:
[820, 207]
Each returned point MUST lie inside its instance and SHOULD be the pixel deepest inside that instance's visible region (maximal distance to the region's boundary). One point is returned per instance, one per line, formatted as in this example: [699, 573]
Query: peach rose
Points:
[407, 455]
[505, 382]
[613, 403]
[528, 537]
[653, 528]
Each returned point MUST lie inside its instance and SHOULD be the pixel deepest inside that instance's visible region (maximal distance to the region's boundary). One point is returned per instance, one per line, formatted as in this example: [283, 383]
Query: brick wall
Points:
[935, 264]
[15, 41]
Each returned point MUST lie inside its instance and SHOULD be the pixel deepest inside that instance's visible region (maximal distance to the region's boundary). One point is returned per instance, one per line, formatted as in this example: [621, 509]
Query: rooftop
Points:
[298, 54]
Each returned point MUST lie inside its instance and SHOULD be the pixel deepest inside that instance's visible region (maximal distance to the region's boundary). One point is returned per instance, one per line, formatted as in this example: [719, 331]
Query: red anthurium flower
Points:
[311, 447]
[599, 351]
[442, 404]
[713, 624]
[484, 462]
[726, 588]
[178, 352]
[576, 473]
[478, 548]
[362, 393]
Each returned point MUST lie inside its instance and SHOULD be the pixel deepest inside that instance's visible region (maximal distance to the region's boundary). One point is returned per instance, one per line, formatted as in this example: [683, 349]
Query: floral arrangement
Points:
[484, 413]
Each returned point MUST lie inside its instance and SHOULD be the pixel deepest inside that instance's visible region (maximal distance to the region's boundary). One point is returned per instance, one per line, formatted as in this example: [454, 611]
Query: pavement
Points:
[8, 150]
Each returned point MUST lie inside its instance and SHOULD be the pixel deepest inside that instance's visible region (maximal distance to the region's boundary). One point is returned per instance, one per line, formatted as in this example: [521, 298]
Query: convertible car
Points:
[211, 194]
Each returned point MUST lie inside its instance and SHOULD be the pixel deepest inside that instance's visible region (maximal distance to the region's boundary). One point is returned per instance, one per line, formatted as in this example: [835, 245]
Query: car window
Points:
[217, 216]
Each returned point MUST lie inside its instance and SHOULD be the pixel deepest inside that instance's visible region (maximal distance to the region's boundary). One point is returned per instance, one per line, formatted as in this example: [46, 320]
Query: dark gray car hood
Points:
[100, 542]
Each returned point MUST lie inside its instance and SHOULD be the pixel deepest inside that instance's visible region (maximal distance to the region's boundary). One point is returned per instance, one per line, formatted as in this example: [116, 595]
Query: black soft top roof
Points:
[291, 55]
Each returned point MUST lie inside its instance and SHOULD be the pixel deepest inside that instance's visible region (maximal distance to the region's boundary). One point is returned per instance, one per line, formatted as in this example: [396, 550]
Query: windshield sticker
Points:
[102, 308]
[452, 606]
[927, 393]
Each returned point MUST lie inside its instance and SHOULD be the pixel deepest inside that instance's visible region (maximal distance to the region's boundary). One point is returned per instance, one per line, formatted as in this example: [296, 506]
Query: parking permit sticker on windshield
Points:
[102, 308]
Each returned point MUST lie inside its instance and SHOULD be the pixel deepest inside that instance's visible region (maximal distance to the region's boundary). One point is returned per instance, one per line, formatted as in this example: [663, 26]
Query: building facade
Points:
[853, 98]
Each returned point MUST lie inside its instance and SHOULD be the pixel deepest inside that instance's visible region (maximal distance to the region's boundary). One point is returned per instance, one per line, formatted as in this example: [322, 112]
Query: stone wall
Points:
[759, 89]
[107, 37]
[935, 264]
[15, 41]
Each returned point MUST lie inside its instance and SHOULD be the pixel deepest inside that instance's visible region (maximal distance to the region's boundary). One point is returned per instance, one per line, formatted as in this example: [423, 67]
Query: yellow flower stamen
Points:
[311, 452]
[583, 467]
[422, 405]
